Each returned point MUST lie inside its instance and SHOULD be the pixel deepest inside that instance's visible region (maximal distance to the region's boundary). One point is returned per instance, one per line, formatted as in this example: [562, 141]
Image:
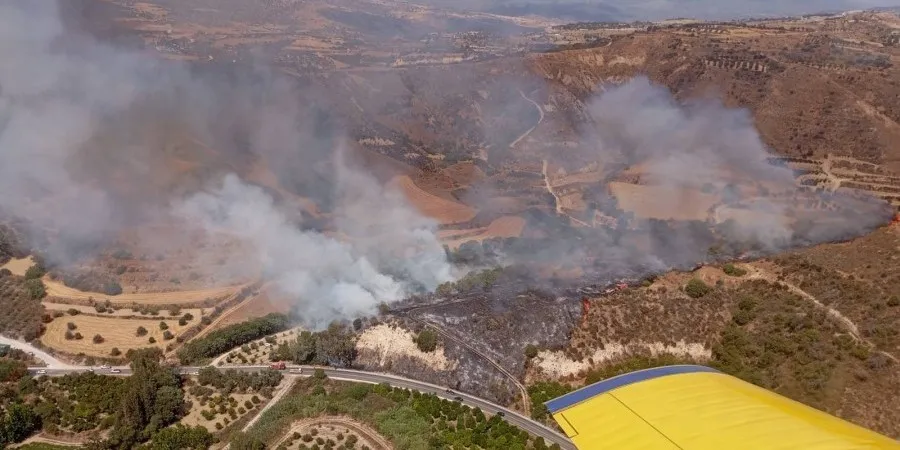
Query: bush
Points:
[152, 340]
[733, 271]
[893, 301]
[427, 340]
[182, 321]
[98, 339]
[71, 326]
[36, 289]
[141, 331]
[167, 335]
[163, 326]
[78, 336]
[73, 312]
[115, 351]
[696, 288]
[112, 288]
[35, 272]
[69, 335]
[530, 351]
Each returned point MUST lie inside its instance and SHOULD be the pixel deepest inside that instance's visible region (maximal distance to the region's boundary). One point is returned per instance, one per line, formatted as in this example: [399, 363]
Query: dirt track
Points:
[57, 289]
[849, 325]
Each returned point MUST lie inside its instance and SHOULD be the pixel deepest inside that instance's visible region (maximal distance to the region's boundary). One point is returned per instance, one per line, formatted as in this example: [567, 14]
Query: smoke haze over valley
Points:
[97, 140]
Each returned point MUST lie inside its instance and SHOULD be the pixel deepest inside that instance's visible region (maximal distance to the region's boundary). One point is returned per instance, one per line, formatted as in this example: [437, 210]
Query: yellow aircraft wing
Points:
[699, 408]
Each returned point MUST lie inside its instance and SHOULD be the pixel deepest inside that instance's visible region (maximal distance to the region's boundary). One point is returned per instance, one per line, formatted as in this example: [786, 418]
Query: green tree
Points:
[427, 340]
[35, 272]
[20, 422]
[36, 289]
[531, 351]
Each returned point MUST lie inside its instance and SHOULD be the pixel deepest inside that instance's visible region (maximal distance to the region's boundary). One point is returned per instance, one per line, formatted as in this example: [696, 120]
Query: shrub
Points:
[73, 312]
[530, 351]
[69, 335]
[427, 340]
[893, 301]
[122, 254]
[163, 326]
[112, 288]
[115, 351]
[78, 336]
[152, 340]
[36, 289]
[167, 335]
[696, 288]
[141, 331]
[98, 339]
[35, 272]
[733, 271]
[71, 326]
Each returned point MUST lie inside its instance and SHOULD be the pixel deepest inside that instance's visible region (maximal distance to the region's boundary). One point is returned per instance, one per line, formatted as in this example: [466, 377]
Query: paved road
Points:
[514, 418]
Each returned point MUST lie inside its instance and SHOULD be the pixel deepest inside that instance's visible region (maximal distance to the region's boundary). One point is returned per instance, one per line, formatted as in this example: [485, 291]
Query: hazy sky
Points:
[588, 10]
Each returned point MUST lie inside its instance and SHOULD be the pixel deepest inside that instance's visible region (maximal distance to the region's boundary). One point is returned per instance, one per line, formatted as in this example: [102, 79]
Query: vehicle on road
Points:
[104, 367]
[42, 372]
[115, 371]
[458, 399]
[296, 370]
[501, 414]
[448, 391]
[278, 365]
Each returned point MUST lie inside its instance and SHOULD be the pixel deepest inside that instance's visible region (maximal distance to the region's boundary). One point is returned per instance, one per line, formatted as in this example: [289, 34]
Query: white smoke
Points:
[63, 98]
[330, 278]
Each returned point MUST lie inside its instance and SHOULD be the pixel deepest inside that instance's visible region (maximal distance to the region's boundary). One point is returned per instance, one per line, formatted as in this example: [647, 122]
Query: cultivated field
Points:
[56, 289]
[440, 209]
[335, 430]
[116, 332]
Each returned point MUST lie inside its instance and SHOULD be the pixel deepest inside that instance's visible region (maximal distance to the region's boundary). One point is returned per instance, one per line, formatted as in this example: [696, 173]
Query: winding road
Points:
[540, 119]
[358, 376]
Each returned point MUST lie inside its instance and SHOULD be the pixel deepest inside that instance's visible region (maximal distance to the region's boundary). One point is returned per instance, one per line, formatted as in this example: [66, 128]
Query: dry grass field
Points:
[18, 266]
[116, 332]
[442, 210]
[56, 289]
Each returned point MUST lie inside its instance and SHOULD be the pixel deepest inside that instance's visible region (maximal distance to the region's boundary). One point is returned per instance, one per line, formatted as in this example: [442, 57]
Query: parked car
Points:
[42, 372]
[296, 370]
[115, 371]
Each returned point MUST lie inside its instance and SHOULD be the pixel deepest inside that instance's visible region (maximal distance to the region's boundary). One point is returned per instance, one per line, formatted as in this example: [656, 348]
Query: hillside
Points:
[459, 182]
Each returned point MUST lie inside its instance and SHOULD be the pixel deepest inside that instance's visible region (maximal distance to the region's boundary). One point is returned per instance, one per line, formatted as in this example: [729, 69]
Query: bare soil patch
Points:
[18, 266]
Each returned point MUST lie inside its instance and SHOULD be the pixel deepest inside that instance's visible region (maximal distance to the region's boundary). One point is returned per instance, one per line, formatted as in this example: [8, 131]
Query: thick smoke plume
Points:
[84, 129]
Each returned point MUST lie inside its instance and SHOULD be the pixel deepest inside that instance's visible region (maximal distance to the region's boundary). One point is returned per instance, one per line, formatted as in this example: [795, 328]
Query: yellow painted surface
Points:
[707, 411]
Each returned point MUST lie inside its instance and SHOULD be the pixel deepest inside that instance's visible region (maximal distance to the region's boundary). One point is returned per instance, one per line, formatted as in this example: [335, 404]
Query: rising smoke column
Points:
[58, 100]
[704, 145]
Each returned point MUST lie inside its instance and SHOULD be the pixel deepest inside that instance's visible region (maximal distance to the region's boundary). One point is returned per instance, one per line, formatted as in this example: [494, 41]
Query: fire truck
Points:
[278, 365]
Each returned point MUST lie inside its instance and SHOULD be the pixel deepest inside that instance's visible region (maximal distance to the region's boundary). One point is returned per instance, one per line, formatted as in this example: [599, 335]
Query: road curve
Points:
[48, 359]
[538, 429]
